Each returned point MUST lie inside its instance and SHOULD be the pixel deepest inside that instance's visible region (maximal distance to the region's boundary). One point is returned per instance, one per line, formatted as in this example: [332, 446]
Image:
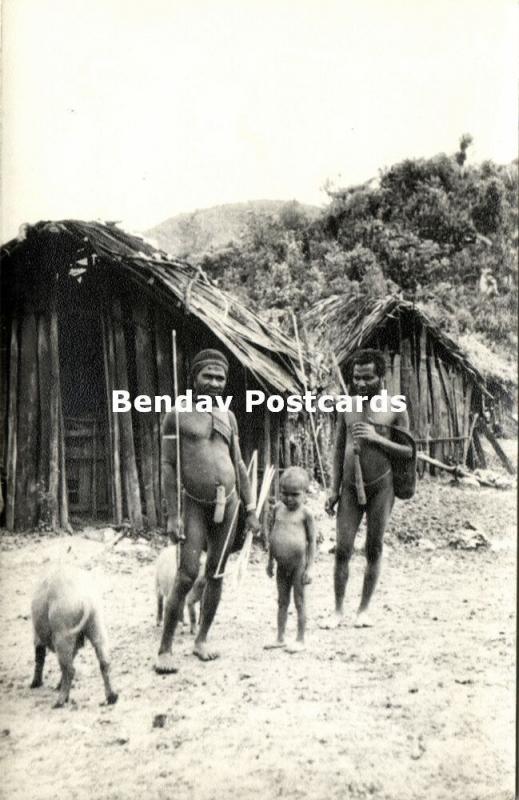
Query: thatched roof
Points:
[263, 349]
[350, 322]
[495, 368]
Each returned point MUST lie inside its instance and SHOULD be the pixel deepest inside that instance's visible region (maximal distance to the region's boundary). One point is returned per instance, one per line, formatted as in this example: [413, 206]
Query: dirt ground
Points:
[421, 706]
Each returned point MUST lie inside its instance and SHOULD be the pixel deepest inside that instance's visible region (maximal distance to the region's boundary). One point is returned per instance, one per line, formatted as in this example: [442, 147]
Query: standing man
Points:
[370, 434]
[214, 481]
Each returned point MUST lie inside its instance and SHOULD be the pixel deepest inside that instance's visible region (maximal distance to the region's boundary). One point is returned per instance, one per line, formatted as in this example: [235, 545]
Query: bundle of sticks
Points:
[242, 561]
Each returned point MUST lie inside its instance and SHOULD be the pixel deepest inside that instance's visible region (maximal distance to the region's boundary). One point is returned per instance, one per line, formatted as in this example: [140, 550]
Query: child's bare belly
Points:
[287, 545]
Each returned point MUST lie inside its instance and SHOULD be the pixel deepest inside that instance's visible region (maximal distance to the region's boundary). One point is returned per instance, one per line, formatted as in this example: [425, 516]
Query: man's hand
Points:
[252, 523]
[270, 569]
[175, 530]
[307, 576]
[331, 502]
[364, 432]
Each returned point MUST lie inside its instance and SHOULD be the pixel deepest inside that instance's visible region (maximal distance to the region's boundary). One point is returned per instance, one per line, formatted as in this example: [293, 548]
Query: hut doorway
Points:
[83, 394]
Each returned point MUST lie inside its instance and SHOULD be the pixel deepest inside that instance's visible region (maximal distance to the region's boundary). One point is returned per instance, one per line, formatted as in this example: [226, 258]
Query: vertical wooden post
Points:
[436, 428]
[54, 467]
[26, 497]
[44, 386]
[423, 423]
[133, 494]
[286, 442]
[12, 422]
[457, 383]
[165, 387]
[113, 419]
[468, 424]
[396, 374]
[448, 421]
[409, 385]
[94, 469]
[63, 500]
[146, 385]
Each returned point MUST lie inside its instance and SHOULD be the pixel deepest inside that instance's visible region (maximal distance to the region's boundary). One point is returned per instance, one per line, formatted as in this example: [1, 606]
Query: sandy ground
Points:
[422, 706]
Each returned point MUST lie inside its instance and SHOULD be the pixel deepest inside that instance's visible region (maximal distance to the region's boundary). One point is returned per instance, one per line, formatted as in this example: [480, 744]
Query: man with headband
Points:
[214, 482]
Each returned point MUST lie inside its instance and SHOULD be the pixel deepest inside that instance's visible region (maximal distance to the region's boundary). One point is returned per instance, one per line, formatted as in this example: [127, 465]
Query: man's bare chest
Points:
[196, 425]
[383, 420]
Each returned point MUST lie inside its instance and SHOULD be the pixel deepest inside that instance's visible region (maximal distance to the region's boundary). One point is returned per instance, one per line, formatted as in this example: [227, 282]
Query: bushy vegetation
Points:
[438, 230]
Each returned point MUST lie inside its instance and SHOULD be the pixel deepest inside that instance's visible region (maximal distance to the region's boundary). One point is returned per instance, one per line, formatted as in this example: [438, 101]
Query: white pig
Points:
[165, 574]
[66, 609]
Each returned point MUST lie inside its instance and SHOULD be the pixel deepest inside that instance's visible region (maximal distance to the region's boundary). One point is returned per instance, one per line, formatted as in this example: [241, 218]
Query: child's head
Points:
[293, 487]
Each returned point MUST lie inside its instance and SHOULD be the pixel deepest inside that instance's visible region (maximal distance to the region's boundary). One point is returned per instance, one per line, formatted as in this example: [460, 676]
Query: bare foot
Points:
[296, 647]
[204, 654]
[164, 664]
[364, 620]
[274, 645]
[332, 622]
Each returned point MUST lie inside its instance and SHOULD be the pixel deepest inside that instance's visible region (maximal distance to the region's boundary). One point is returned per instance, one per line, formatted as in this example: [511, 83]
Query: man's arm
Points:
[337, 464]
[169, 475]
[365, 431]
[310, 547]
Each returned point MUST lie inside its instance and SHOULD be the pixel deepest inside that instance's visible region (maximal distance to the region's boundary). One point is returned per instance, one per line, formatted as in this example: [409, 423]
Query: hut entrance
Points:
[84, 413]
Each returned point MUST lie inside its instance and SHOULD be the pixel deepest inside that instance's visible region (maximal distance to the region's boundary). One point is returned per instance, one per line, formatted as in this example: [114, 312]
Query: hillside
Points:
[212, 228]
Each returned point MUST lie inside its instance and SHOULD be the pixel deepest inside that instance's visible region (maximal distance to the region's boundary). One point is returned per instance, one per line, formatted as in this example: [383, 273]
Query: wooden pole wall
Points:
[131, 477]
[45, 393]
[114, 435]
[149, 445]
[26, 493]
[423, 384]
[54, 463]
[12, 437]
[436, 407]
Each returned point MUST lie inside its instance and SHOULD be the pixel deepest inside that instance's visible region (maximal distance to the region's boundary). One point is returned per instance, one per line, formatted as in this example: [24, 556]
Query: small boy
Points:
[292, 545]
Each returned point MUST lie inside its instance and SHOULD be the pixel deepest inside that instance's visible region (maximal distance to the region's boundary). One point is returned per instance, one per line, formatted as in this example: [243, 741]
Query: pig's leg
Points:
[39, 660]
[100, 645]
[65, 652]
[194, 596]
[160, 608]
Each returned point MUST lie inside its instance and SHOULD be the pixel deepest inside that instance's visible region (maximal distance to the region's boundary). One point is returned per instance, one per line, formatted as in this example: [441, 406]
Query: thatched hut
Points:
[500, 376]
[88, 308]
[445, 392]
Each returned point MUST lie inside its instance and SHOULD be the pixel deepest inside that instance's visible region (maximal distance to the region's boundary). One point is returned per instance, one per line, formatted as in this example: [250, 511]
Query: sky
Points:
[136, 111]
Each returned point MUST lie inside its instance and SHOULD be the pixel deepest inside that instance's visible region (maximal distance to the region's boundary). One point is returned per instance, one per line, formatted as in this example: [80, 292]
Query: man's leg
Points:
[195, 531]
[216, 544]
[377, 513]
[349, 515]
[284, 585]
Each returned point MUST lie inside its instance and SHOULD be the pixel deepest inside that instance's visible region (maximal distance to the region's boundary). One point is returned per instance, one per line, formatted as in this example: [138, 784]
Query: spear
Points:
[177, 440]
[359, 479]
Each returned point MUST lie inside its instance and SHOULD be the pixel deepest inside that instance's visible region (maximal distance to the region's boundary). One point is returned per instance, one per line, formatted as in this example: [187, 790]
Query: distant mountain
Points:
[212, 228]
